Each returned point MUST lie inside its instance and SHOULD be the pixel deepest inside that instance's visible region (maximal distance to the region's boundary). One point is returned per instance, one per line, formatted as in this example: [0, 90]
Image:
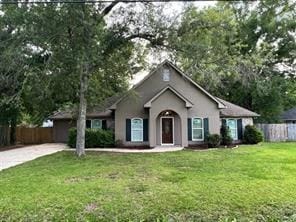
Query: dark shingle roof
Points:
[97, 111]
[289, 114]
[233, 110]
[227, 109]
[71, 115]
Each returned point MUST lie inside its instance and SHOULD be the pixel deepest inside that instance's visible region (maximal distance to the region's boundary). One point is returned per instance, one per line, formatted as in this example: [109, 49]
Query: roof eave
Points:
[188, 104]
[240, 116]
[220, 104]
[148, 105]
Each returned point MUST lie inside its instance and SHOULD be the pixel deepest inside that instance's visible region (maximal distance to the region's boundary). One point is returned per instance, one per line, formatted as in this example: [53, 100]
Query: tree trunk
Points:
[81, 121]
[4, 135]
[13, 131]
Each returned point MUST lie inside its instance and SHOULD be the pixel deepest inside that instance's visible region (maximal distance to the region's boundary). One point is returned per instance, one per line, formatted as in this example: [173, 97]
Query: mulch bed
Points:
[206, 147]
[122, 147]
[135, 147]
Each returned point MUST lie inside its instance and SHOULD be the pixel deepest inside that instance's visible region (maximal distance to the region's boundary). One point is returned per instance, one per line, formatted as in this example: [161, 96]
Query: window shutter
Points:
[206, 127]
[189, 126]
[128, 129]
[240, 129]
[224, 122]
[104, 124]
[88, 123]
[145, 129]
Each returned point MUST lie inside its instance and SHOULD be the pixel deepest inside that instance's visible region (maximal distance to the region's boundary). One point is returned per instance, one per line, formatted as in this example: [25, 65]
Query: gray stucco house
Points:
[289, 116]
[165, 108]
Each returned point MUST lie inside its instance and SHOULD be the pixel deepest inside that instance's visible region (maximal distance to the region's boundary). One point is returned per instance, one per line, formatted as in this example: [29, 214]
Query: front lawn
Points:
[249, 183]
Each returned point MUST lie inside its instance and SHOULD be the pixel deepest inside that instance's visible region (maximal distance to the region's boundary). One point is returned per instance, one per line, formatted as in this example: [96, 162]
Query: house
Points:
[165, 108]
[289, 116]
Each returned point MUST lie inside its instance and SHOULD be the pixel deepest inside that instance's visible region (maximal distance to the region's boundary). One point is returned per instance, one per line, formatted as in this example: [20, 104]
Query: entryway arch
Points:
[168, 128]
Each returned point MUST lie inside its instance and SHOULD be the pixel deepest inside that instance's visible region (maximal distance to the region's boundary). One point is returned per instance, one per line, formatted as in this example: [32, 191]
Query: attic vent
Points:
[166, 75]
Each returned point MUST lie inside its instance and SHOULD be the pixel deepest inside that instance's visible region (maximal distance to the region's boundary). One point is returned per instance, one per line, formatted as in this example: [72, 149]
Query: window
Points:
[137, 130]
[96, 124]
[166, 75]
[197, 129]
[232, 126]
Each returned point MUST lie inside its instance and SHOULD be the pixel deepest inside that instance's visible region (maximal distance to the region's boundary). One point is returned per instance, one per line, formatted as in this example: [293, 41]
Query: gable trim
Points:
[188, 104]
[114, 106]
[220, 104]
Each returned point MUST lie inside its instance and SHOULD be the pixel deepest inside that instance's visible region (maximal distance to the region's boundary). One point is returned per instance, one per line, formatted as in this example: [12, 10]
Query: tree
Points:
[11, 76]
[75, 56]
[236, 52]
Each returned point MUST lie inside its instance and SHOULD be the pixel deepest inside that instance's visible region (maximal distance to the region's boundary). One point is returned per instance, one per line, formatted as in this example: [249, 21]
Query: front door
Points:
[167, 131]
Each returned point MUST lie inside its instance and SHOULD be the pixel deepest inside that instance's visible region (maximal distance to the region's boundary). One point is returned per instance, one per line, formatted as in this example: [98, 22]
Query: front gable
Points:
[157, 80]
[188, 104]
[166, 91]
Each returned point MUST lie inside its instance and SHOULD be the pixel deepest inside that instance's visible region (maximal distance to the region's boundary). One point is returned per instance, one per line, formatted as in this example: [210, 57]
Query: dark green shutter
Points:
[224, 122]
[128, 129]
[189, 126]
[104, 124]
[240, 129]
[145, 129]
[206, 127]
[88, 123]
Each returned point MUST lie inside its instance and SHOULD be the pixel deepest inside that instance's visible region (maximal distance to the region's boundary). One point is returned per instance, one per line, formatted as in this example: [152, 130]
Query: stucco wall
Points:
[61, 128]
[167, 101]
[133, 105]
[247, 121]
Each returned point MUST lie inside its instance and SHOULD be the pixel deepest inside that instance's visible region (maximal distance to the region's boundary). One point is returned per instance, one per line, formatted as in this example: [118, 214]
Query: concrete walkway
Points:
[18, 156]
[159, 149]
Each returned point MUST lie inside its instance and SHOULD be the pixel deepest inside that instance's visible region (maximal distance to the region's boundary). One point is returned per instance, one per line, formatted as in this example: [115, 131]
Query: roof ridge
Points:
[220, 104]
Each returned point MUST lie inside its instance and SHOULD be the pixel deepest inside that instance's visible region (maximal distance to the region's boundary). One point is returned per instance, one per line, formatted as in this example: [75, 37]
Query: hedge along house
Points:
[166, 108]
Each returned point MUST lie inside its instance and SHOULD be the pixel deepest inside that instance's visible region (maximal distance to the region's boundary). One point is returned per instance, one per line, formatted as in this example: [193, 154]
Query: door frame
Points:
[173, 131]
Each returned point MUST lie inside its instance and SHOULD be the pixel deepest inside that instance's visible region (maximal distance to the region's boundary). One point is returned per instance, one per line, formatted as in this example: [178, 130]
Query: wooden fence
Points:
[35, 135]
[278, 132]
[291, 132]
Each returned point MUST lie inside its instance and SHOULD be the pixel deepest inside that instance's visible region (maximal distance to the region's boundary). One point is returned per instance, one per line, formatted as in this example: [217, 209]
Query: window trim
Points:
[91, 123]
[235, 119]
[142, 139]
[166, 75]
[202, 128]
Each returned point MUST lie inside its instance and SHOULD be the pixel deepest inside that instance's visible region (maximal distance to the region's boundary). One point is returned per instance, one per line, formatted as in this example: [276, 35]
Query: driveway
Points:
[18, 156]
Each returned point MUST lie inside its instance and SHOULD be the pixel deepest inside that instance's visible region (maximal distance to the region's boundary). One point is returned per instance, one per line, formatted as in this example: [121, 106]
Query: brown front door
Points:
[167, 130]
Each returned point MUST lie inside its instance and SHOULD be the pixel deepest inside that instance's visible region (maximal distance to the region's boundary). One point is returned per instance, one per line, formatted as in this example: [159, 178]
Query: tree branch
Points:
[109, 8]
[146, 36]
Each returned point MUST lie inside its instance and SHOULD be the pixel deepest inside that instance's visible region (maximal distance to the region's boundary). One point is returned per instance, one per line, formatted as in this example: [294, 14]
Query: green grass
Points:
[255, 183]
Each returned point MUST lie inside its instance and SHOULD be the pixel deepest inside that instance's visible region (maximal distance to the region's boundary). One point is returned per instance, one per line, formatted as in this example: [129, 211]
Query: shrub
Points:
[252, 135]
[72, 137]
[226, 138]
[213, 140]
[93, 138]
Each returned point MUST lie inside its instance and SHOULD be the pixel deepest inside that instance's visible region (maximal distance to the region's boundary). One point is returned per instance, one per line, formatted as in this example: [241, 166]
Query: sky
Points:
[171, 7]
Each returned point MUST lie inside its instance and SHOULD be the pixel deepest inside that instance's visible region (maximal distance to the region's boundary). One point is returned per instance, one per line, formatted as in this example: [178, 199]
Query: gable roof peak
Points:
[179, 71]
[188, 103]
